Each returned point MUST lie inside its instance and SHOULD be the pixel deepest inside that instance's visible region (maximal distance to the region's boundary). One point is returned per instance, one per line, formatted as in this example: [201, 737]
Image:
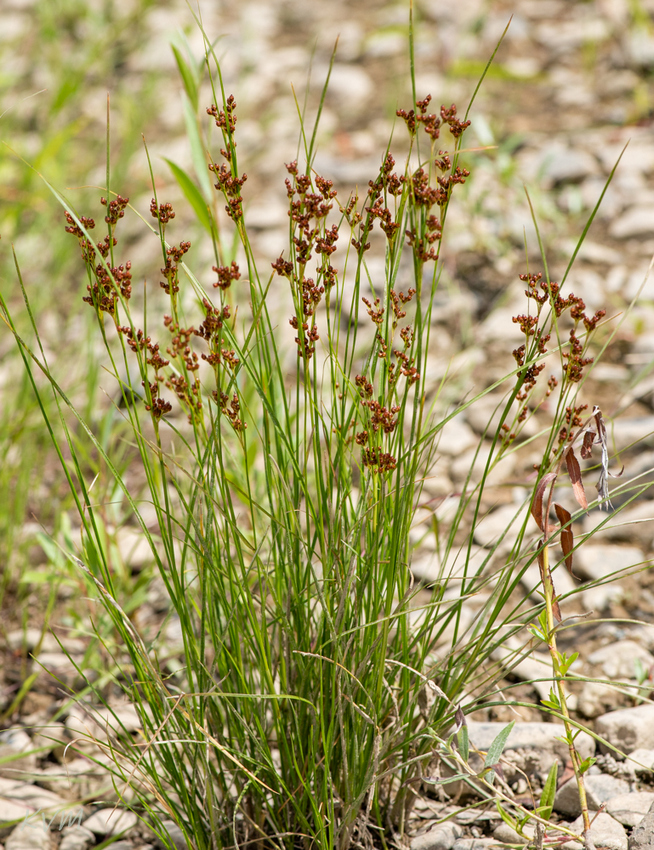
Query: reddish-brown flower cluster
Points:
[180, 346]
[230, 409]
[188, 394]
[228, 181]
[159, 407]
[364, 386]
[110, 282]
[115, 209]
[386, 183]
[573, 421]
[380, 420]
[231, 187]
[225, 119]
[170, 284]
[424, 194]
[379, 461]
[457, 127]
[226, 274]
[549, 293]
[574, 368]
[431, 123]
[211, 330]
[375, 312]
[307, 211]
[162, 212]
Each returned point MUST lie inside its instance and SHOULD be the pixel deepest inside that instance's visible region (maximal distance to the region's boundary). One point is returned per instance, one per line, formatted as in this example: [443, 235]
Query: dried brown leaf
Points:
[587, 446]
[567, 538]
[541, 563]
[556, 610]
[537, 504]
[574, 471]
[459, 719]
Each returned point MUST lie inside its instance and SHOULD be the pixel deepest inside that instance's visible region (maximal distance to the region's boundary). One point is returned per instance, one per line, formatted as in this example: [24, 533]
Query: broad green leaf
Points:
[188, 78]
[464, 743]
[552, 701]
[496, 748]
[549, 792]
[586, 764]
[193, 196]
[566, 663]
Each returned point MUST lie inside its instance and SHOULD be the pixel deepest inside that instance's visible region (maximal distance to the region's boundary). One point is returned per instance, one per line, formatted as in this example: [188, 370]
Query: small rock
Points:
[350, 81]
[503, 832]
[633, 524]
[567, 165]
[598, 562]
[13, 742]
[602, 597]
[606, 833]
[77, 779]
[33, 799]
[29, 835]
[630, 809]
[599, 789]
[476, 461]
[29, 639]
[484, 414]
[642, 837]
[427, 568]
[133, 545]
[618, 659]
[456, 437]
[76, 837]
[121, 718]
[100, 723]
[474, 843]
[507, 521]
[635, 223]
[597, 698]
[10, 811]
[641, 761]
[640, 49]
[48, 737]
[60, 664]
[627, 729]
[440, 837]
[627, 432]
[111, 821]
[644, 635]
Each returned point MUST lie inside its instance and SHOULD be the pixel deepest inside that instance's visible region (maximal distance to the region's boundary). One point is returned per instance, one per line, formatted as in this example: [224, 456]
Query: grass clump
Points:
[317, 682]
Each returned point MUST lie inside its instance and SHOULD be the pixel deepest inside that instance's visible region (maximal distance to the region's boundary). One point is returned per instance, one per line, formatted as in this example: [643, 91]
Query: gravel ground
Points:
[572, 85]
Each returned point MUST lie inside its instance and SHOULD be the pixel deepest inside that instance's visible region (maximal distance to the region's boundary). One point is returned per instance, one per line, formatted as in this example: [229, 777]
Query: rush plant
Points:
[316, 681]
